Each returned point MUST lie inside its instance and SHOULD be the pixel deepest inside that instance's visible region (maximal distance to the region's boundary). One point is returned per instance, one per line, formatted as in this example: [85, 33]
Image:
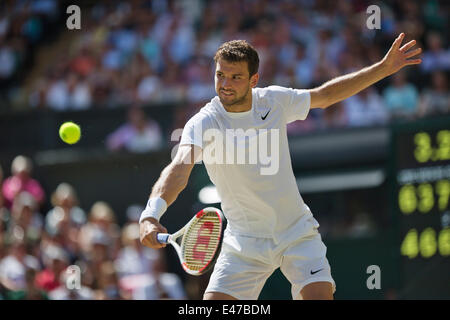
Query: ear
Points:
[254, 80]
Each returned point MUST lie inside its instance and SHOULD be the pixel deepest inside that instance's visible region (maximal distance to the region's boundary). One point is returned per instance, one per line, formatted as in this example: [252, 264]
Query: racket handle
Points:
[162, 237]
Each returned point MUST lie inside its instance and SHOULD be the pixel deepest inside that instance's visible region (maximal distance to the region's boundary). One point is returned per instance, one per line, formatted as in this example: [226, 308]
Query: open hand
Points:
[398, 57]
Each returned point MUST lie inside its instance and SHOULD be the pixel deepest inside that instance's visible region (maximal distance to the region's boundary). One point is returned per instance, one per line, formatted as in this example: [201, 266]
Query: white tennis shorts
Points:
[245, 263]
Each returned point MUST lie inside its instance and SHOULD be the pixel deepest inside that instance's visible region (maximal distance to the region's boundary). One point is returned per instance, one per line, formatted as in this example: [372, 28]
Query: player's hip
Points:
[269, 248]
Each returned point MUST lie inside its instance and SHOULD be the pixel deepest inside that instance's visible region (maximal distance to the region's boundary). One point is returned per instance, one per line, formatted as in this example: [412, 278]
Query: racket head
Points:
[202, 241]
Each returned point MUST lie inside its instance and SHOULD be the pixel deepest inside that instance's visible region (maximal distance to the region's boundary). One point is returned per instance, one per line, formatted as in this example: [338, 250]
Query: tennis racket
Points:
[201, 240]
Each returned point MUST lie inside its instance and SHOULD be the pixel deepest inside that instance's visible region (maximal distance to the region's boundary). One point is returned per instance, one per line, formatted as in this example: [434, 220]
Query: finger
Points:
[399, 40]
[146, 242]
[149, 242]
[408, 46]
[160, 228]
[413, 53]
[414, 61]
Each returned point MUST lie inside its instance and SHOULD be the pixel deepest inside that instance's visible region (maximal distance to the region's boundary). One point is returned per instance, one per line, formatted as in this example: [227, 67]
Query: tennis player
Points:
[269, 225]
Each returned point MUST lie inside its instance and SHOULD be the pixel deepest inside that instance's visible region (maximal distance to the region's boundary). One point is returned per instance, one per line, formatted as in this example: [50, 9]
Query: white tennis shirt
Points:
[259, 193]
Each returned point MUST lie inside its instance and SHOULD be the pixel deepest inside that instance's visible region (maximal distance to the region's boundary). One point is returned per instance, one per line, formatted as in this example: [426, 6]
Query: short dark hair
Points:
[237, 51]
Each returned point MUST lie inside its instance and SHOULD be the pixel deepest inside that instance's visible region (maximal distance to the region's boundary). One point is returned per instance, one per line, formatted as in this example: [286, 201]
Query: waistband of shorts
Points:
[290, 227]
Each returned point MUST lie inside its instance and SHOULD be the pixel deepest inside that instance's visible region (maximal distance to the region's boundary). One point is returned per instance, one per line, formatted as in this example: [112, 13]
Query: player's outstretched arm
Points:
[172, 181]
[348, 85]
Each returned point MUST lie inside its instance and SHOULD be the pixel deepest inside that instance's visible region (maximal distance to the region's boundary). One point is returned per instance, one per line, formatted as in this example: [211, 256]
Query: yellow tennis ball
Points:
[70, 132]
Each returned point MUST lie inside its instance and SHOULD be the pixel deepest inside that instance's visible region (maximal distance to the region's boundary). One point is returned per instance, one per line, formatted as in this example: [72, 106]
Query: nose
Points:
[226, 84]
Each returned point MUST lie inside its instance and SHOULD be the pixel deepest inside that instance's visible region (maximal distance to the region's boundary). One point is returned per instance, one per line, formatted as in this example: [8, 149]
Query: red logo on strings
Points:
[203, 240]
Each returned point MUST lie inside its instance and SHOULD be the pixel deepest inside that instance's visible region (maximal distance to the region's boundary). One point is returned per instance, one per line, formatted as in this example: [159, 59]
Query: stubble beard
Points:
[237, 101]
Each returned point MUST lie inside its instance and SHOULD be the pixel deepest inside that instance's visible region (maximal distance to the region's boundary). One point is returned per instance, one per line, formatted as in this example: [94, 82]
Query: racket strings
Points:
[201, 241]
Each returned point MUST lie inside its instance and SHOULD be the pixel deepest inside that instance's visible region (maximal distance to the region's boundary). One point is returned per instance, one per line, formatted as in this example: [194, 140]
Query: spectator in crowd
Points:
[100, 248]
[163, 284]
[436, 57]
[304, 67]
[149, 85]
[173, 88]
[101, 228]
[365, 109]
[8, 61]
[55, 261]
[21, 180]
[64, 220]
[134, 263]
[333, 118]
[56, 95]
[99, 261]
[65, 198]
[14, 265]
[83, 63]
[133, 214]
[37, 97]
[25, 217]
[436, 99]
[108, 284]
[68, 94]
[63, 292]
[140, 134]
[31, 290]
[198, 75]
[79, 93]
[401, 98]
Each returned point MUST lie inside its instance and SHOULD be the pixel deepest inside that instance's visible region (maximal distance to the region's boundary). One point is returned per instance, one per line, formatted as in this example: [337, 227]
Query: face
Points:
[23, 174]
[67, 201]
[233, 82]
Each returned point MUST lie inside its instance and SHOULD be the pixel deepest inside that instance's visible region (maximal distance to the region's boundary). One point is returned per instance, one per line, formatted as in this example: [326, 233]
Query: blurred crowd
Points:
[161, 51]
[24, 25]
[69, 254]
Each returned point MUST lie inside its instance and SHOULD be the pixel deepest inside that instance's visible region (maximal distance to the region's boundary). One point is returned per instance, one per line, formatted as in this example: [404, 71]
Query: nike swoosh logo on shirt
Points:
[314, 272]
[264, 118]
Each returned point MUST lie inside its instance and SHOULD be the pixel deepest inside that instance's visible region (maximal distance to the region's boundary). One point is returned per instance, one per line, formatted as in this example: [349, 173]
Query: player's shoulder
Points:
[205, 114]
[272, 94]
[272, 91]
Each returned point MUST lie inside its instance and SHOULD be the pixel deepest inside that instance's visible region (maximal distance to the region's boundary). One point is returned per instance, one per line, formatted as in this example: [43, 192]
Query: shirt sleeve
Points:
[294, 102]
[193, 130]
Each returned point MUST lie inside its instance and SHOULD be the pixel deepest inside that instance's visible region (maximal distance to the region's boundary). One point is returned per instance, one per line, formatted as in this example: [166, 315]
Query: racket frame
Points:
[172, 239]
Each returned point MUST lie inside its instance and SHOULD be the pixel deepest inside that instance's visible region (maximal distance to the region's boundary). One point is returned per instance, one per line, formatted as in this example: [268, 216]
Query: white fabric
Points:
[258, 199]
[245, 263]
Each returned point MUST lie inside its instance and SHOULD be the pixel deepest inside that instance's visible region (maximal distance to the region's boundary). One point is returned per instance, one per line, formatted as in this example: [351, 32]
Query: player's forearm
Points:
[347, 85]
[170, 184]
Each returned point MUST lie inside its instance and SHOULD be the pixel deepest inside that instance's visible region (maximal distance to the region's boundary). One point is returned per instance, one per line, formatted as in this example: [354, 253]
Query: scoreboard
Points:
[421, 168]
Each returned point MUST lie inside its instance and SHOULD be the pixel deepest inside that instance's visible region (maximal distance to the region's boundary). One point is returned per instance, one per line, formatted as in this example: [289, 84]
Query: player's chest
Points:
[262, 118]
